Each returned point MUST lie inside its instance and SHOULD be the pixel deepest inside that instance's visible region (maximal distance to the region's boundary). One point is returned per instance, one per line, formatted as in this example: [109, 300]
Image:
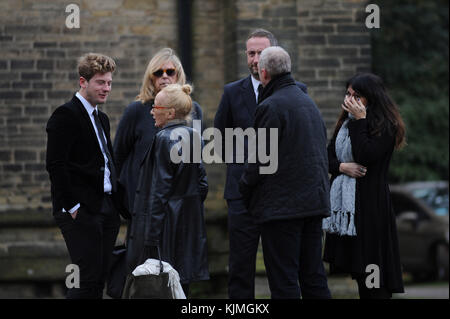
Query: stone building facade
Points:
[327, 40]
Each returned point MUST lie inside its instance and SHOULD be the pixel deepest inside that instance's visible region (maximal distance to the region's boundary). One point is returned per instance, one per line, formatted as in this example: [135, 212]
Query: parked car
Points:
[421, 210]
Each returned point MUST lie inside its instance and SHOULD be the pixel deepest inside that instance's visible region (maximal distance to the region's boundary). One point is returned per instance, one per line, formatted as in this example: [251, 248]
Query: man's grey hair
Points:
[275, 60]
[263, 33]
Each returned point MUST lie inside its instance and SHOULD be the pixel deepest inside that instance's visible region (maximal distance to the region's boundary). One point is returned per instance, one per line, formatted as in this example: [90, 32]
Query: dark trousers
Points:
[244, 239]
[293, 258]
[90, 239]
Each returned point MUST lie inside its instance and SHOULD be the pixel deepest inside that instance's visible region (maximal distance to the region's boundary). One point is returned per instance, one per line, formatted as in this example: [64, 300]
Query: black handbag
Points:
[148, 286]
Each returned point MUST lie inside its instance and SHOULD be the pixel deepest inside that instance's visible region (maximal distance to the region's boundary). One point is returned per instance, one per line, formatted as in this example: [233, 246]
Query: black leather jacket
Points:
[170, 206]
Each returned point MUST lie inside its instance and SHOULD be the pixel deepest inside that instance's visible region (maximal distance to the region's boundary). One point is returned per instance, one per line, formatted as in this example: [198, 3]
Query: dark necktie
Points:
[260, 88]
[112, 169]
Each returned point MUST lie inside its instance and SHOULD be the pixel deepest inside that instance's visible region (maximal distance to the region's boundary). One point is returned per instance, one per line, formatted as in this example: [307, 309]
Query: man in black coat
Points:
[237, 110]
[290, 201]
[83, 176]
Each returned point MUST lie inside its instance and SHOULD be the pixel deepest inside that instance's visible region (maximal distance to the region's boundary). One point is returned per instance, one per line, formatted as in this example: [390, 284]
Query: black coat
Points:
[300, 187]
[237, 110]
[376, 231]
[74, 159]
[133, 138]
[168, 210]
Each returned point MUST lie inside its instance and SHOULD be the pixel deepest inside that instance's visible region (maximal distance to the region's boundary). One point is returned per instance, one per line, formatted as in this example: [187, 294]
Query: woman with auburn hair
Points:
[361, 231]
[137, 130]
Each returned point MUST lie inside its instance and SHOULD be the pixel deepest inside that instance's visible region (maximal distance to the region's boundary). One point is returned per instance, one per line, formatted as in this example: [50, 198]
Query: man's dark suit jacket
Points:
[74, 160]
[237, 109]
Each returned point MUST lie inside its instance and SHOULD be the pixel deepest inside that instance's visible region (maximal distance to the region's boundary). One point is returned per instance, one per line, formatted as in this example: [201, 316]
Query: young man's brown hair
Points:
[93, 63]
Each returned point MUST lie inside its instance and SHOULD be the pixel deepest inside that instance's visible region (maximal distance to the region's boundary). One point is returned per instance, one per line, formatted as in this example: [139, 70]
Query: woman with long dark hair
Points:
[361, 234]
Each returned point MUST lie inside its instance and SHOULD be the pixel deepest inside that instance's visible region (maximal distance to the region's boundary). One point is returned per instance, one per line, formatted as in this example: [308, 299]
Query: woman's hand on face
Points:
[353, 169]
[355, 107]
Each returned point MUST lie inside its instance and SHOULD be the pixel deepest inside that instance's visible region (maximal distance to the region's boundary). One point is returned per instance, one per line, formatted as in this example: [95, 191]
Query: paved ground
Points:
[427, 291]
[346, 288]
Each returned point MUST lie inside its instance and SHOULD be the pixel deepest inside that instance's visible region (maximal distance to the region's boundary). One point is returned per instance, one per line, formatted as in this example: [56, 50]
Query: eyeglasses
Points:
[160, 72]
[159, 107]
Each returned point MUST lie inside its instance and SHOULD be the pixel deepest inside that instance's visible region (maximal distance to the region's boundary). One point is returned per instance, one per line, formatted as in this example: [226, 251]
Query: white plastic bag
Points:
[151, 267]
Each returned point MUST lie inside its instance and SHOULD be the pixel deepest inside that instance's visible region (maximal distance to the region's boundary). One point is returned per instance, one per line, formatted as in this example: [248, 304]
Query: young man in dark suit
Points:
[83, 176]
[237, 110]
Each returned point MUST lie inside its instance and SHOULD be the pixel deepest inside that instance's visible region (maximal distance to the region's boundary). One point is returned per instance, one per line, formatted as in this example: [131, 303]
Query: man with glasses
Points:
[237, 110]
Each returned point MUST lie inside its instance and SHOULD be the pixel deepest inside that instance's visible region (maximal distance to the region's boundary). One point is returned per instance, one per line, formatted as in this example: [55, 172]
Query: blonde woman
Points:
[135, 134]
[172, 190]
[136, 128]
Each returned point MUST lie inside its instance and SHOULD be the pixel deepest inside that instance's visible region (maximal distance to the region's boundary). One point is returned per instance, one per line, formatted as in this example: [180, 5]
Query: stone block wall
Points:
[38, 59]
[326, 39]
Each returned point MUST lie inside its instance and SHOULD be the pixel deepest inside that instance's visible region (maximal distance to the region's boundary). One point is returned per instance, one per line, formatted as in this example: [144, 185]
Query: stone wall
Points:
[327, 41]
[38, 59]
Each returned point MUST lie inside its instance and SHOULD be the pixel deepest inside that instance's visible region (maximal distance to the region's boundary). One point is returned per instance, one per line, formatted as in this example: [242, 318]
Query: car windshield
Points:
[436, 198]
